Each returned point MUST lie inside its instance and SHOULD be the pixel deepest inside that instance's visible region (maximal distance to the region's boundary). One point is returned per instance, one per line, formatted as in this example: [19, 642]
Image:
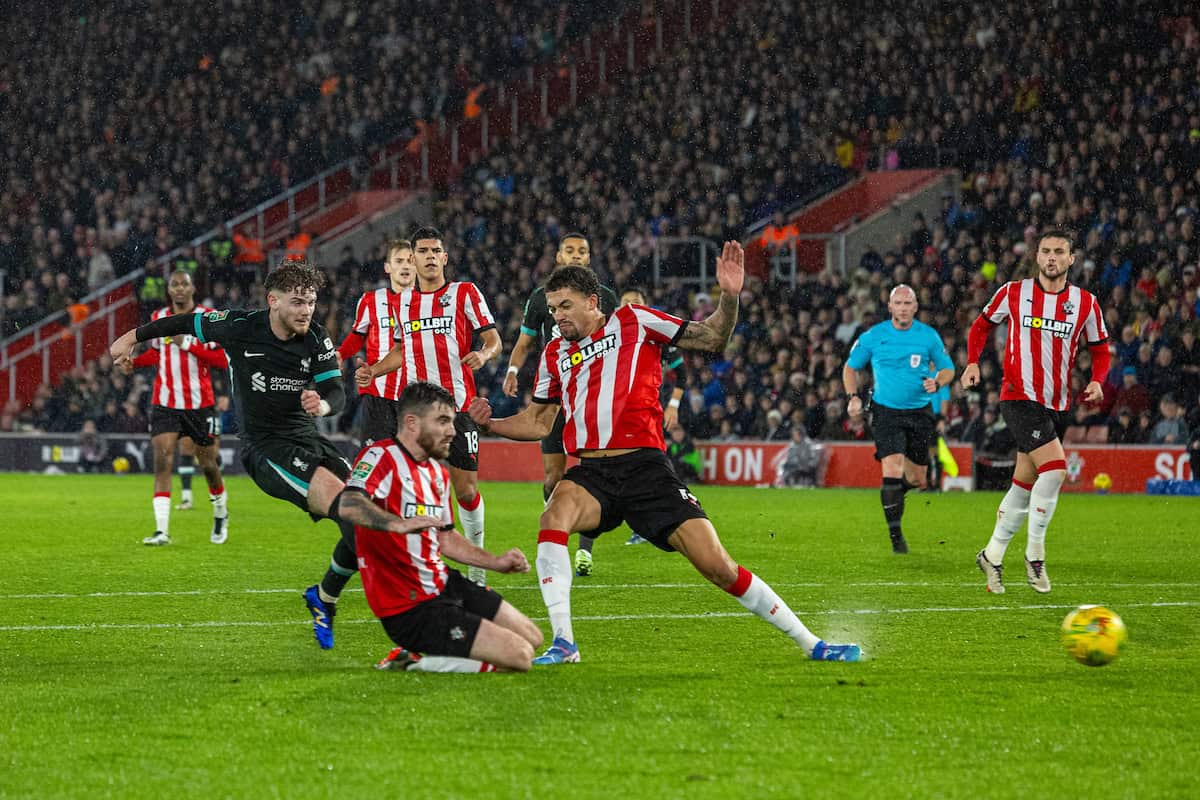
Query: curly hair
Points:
[581, 279]
[295, 276]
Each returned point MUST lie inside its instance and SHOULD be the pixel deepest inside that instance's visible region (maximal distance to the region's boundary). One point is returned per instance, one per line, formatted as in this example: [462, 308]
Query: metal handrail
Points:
[703, 261]
[163, 261]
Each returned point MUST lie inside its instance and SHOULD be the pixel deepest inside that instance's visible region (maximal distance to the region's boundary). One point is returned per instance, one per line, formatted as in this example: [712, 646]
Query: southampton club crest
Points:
[444, 301]
[1068, 307]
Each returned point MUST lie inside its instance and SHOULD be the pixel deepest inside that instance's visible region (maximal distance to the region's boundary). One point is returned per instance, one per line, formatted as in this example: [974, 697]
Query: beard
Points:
[434, 445]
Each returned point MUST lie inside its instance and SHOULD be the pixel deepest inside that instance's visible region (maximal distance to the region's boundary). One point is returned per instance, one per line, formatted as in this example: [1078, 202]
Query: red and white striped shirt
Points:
[1044, 332]
[374, 322]
[400, 571]
[437, 329]
[608, 383]
[183, 380]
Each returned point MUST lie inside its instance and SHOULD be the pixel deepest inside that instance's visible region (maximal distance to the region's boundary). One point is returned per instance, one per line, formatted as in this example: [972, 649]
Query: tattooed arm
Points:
[356, 507]
[713, 333]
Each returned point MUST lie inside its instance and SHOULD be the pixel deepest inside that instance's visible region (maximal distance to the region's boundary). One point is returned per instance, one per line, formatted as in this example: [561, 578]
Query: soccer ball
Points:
[120, 464]
[1102, 482]
[1093, 635]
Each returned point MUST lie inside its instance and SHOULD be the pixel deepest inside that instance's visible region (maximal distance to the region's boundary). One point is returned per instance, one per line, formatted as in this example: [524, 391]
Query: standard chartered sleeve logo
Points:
[261, 383]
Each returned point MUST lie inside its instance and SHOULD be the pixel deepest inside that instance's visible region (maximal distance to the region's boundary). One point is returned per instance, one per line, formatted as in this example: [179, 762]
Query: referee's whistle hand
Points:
[930, 385]
[854, 407]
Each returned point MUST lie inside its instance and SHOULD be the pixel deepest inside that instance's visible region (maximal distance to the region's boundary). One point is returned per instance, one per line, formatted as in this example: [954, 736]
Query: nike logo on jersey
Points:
[588, 352]
[248, 354]
[1058, 327]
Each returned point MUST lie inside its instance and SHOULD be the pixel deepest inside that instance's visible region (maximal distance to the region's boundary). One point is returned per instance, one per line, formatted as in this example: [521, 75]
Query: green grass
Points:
[138, 691]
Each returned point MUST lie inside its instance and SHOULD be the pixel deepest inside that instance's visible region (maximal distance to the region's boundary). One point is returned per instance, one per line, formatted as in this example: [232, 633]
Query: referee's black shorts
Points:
[908, 431]
[1032, 424]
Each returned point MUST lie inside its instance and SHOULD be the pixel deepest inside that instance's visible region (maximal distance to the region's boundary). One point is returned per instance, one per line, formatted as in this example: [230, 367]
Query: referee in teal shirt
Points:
[900, 352]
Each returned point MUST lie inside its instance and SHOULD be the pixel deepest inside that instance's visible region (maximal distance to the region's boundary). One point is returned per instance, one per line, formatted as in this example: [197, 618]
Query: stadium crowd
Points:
[1054, 116]
[111, 162]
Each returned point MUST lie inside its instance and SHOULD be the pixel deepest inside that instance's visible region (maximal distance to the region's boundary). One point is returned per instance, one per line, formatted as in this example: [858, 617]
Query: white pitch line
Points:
[107, 626]
[589, 586]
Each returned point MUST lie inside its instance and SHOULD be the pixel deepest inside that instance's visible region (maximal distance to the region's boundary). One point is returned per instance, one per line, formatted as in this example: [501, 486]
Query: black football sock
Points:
[891, 495]
[186, 469]
[586, 542]
[342, 567]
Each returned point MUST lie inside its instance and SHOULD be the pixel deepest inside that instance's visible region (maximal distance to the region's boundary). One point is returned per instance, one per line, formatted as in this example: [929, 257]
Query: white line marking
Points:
[108, 626]
[592, 586]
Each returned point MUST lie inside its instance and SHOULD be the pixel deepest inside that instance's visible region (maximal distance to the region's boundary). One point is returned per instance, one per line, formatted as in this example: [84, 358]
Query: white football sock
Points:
[220, 504]
[162, 512]
[449, 664]
[472, 521]
[1042, 501]
[1010, 517]
[760, 598]
[554, 577]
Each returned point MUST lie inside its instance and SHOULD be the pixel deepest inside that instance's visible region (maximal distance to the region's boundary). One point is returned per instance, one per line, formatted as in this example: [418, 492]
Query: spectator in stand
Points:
[1166, 376]
[685, 459]
[1123, 429]
[1132, 395]
[1171, 427]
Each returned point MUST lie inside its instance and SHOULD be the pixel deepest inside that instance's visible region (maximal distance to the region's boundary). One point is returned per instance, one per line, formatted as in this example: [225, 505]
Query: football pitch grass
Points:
[191, 671]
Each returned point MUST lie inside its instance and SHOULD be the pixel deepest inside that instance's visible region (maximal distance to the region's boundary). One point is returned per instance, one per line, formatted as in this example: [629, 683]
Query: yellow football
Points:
[1093, 635]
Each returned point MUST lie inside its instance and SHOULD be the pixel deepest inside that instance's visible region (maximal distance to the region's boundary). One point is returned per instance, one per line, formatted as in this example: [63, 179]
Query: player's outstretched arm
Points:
[530, 424]
[454, 545]
[173, 325]
[356, 507]
[713, 333]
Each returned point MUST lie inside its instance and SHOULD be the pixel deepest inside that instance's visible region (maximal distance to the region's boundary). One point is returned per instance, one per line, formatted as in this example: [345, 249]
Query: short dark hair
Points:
[295, 276]
[635, 290]
[571, 235]
[417, 398]
[1058, 233]
[425, 232]
[581, 279]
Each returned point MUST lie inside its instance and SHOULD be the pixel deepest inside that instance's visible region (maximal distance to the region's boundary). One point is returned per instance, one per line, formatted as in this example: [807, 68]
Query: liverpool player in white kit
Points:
[425, 606]
[183, 406]
[1047, 319]
[436, 324]
[605, 376]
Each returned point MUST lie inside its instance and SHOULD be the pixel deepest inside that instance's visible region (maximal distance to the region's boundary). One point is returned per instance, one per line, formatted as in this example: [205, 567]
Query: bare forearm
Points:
[850, 380]
[520, 352]
[491, 345]
[944, 377]
[453, 545]
[531, 424]
[355, 507]
[389, 363]
[713, 333]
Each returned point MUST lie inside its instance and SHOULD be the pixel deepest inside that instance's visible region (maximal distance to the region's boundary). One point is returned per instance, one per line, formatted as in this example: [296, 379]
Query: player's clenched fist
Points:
[480, 411]
[363, 375]
[513, 561]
